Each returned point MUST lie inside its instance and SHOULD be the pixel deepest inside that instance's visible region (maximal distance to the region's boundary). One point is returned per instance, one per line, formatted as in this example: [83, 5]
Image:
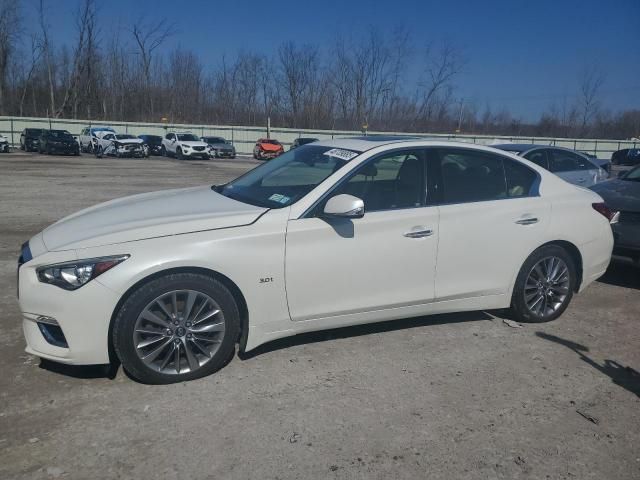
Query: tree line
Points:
[130, 75]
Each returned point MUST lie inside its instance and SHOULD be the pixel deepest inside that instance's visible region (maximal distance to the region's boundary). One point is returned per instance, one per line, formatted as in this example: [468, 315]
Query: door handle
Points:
[419, 232]
[527, 221]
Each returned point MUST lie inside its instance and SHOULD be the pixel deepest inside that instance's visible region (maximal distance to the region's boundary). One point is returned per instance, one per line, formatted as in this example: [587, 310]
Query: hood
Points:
[620, 194]
[149, 215]
[193, 144]
[3, 138]
[270, 147]
[221, 145]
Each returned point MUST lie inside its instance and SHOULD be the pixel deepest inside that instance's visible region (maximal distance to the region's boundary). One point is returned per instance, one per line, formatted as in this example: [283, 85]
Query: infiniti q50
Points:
[330, 234]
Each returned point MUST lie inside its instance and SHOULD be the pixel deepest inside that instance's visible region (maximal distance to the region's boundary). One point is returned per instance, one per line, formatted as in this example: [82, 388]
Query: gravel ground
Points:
[460, 396]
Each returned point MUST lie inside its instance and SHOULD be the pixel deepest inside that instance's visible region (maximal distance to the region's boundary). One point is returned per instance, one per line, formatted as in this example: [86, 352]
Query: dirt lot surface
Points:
[460, 396]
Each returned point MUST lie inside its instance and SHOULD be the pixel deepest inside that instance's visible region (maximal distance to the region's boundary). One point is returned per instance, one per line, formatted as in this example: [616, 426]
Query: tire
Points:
[163, 151]
[129, 322]
[534, 298]
[179, 154]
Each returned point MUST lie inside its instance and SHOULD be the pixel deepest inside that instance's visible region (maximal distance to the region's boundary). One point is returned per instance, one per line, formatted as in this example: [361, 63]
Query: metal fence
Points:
[244, 137]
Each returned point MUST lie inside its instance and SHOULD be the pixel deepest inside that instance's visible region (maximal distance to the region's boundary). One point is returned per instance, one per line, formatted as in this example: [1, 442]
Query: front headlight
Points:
[73, 275]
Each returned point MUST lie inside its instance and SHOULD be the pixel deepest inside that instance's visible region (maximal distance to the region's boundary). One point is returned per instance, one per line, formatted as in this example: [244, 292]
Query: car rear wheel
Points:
[544, 286]
[175, 328]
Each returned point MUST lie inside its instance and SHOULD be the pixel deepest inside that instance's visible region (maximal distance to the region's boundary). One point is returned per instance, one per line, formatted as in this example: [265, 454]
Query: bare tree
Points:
[589, 96]
[149, 37]
[34, 58]
[442, 66]
[9, 31]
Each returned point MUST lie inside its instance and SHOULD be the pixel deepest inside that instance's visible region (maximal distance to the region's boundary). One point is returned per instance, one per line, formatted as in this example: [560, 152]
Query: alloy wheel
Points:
[547, 286]
[179, 332]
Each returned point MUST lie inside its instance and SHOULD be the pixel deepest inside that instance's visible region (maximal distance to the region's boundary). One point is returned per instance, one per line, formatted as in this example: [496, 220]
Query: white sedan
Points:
[329, 234]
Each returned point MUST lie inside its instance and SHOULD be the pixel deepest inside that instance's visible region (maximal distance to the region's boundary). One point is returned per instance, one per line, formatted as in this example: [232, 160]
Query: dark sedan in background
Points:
[219, 147]
[626, 156]
[154, 142]
[302, 141]
[623, 195]
[29, 139]
[58, 141]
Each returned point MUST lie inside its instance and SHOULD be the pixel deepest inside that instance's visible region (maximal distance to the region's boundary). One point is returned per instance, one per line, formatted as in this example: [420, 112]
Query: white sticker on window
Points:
[341, 154]
[276, 197]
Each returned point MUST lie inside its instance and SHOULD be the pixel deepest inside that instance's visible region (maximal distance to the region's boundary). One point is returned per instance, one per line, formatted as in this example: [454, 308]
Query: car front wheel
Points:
[544, 286]
[177, 327]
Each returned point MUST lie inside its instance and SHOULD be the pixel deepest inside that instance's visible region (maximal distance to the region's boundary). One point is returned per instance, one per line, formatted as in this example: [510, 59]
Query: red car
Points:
[267, 148]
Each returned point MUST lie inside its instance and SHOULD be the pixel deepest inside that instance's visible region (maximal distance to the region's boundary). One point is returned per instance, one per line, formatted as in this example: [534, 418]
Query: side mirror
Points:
[344, 206]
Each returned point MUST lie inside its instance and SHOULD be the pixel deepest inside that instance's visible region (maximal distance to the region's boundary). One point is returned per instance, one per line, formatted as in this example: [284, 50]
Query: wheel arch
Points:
[575, 254]
[226, 281]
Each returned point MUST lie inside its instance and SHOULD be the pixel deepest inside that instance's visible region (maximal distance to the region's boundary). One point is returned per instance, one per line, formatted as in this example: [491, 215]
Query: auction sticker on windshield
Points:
[276, 197]
[341, 154]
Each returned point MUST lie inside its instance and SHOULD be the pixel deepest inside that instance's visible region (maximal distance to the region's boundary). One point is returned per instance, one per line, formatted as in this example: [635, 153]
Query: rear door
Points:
[491, 218]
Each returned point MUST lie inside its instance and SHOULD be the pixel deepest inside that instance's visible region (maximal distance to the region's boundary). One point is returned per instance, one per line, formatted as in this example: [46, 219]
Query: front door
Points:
[384, 260]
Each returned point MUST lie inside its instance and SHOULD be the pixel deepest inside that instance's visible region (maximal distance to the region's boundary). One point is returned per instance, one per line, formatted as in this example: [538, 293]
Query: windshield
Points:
[215, 140]
[272, 142]
[96, 130]
[187, 137]
[632, 175]
[59, 134]
[124, 136]
[287, 178]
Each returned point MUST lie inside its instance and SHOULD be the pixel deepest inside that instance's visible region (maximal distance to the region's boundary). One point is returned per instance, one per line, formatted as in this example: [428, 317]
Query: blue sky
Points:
[521, 55]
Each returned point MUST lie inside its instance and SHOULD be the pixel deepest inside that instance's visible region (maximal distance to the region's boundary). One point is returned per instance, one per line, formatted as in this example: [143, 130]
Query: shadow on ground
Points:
[365, 329]
[80, 371]
[622, 274]
[626, 377]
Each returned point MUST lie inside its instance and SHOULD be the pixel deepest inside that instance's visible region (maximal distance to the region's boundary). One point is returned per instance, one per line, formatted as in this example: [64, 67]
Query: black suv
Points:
[29, 139]
[58, 141]
[298, 142]
[154, 142]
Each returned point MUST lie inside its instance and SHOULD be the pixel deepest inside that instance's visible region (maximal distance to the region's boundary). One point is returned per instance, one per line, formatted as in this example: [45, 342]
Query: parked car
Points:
[601, 162]
[4, 144]
[184, 145]
[88, 138]
[626, 156]
[153, 142]
[58, 141]
[120, 145]
[302, 141]
[623, 195]
[169, 282]
[29, 139]
[267, 148]
[219, 147]
[569, 165]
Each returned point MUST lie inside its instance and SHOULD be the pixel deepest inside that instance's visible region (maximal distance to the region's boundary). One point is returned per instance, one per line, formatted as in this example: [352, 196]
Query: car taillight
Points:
[608, 213]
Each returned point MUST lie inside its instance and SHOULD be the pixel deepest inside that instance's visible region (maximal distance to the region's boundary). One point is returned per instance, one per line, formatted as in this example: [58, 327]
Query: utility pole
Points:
[268, 127]
[460, 116]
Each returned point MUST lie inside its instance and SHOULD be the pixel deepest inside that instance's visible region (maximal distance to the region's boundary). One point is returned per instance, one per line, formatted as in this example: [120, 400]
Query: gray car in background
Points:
[572, 166]
[623, 195]
[219, 147]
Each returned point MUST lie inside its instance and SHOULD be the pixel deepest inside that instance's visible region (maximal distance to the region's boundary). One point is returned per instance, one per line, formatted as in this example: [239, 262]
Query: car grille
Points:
[629, 217]
[199, 149]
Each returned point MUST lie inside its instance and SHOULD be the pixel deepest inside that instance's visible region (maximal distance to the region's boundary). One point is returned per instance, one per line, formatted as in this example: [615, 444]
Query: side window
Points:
[539, 157]
[471, 176]
[168, 136]
[392, 181]
[563, 161]
[519, 177]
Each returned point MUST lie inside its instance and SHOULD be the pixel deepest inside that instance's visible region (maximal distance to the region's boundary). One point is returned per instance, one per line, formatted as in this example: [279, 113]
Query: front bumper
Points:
[70, 149]
[627, 239]
[83, 316]
[195, 153]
